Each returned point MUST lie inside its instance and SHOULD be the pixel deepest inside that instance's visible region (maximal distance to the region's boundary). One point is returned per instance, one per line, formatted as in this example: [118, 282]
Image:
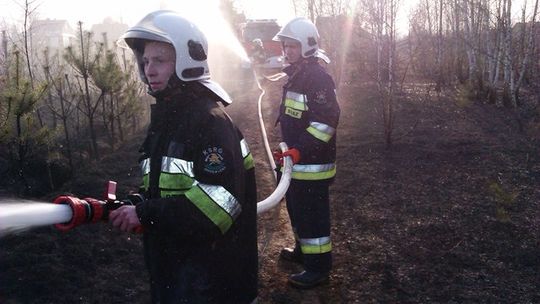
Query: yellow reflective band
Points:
[216, 203]
[145, 170]
[318, 134]
[313, 172]
[295, 104]
[223, 198]
[246, 154]
[171, 193]
[289, 103]
[321, 131]
[249, 163]
[314, 176]
[146, 182]
[175, 181]
[316, 245]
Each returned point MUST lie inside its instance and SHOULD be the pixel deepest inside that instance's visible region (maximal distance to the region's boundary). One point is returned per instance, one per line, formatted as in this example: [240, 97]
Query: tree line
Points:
[62, 110]
[481, 50]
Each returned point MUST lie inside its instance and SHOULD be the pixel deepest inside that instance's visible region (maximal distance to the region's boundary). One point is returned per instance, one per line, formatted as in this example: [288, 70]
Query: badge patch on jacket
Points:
[213, 160]
[320, 97]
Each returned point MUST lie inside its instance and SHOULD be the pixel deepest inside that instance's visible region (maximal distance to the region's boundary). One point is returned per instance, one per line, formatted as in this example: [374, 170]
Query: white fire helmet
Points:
[258, 42]
[304, 31]
[189, 43]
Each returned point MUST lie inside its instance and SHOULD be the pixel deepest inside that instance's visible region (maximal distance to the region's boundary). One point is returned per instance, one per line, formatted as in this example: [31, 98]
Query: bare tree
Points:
[28, 11]
[507, 48]
[381, 16]
[527, 50]
[63, 105]
[439, 60]
[107, 77]
[494, 44]
[83, 62]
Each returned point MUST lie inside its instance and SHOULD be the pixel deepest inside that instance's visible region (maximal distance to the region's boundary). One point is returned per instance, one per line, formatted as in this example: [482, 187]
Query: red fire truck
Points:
[255, 31]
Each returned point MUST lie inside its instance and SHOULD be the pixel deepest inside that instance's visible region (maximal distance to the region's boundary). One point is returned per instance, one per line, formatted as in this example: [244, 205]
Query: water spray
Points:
[17, 216]
[65, 213]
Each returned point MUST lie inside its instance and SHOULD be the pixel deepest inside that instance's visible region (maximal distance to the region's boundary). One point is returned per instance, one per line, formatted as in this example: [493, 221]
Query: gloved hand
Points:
[123, 217]
[134, 199]
[292, 152]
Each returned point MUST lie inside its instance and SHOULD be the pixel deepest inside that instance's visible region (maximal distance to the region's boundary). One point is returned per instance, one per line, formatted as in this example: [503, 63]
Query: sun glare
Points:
[207, 15]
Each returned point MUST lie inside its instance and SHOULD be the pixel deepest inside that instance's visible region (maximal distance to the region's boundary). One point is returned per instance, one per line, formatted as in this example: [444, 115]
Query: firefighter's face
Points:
[159, 64]
[292, 50]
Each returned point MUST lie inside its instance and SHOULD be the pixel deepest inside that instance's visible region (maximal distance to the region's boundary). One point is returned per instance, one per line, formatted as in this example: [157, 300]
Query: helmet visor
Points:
[130, 38]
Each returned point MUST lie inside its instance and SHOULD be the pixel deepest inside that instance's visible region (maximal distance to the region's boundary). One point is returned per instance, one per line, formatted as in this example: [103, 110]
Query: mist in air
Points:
[226, 53]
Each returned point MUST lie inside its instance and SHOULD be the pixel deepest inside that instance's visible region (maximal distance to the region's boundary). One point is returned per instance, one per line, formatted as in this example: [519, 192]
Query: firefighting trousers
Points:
[309, 212]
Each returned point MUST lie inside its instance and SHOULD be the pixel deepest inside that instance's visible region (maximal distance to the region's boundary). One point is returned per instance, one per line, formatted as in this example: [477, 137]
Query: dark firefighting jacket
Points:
[309, 116]
[199, 216]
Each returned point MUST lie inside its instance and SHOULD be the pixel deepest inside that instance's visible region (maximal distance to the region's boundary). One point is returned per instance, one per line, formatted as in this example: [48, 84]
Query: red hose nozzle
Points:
[87, 210]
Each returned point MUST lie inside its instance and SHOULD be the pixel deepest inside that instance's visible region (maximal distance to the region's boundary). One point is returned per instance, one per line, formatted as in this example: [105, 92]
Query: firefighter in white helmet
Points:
[198, 206]
[309, 115]
[257, 53]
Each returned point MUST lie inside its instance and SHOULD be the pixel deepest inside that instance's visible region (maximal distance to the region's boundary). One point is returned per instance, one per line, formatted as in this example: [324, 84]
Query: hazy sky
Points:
[130, 11]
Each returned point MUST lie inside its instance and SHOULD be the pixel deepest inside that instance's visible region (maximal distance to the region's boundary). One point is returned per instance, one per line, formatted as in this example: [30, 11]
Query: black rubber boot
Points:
[291, 255]
[308, 279]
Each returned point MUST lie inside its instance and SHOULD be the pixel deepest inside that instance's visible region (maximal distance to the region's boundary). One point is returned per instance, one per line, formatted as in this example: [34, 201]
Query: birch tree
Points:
[530, 38]
[381, 16]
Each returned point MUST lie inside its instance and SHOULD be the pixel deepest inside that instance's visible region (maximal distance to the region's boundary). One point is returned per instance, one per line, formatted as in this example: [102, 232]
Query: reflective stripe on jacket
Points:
[178, 178]
[309, 116]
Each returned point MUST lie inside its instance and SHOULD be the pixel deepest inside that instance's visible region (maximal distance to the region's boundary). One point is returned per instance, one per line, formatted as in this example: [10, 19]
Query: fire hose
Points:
[276, 196]
[273, 199]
